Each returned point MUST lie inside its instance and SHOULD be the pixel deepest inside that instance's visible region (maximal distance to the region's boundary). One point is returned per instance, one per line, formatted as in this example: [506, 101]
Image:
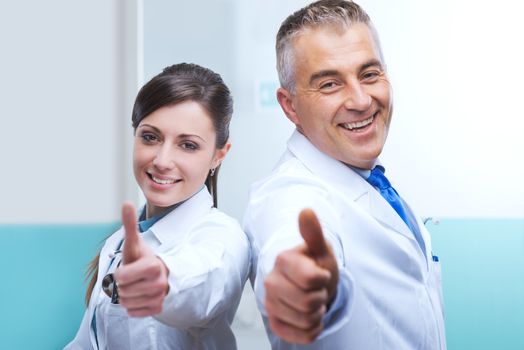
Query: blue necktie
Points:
[379, 180]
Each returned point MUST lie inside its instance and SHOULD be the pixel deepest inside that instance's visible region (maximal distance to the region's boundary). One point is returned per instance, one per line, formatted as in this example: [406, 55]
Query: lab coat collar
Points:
[327, 168]
[184, 216]
[347, 180]
[163, 230]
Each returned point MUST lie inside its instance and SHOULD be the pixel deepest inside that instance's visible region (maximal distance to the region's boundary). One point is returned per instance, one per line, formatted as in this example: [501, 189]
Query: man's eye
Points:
[371, 75]
[328, 85]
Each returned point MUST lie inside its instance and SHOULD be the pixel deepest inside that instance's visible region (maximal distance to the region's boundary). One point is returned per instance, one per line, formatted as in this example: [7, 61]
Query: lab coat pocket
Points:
[117, 327]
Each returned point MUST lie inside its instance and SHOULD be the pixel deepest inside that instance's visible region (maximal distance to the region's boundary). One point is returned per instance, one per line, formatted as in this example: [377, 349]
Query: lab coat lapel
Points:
[333, 172]
[384, 212]
[110, 246]
[347, 180]
[170, 228]
[421, 230]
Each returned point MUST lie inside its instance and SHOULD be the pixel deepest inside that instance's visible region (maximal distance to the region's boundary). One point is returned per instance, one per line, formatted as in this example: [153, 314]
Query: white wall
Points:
[456, 144]
[456, 137]
[69, 74]
[63, 110]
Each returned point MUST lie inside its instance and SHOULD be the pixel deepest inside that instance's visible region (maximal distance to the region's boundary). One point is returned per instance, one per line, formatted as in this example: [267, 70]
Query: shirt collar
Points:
[366, 172]
[144, 224]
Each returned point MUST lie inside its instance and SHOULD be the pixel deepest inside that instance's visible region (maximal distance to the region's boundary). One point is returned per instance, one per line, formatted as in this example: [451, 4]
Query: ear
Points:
[220, 154]
[285, 99]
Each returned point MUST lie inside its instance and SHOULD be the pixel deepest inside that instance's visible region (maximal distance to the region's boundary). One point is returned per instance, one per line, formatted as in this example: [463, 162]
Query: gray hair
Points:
[339, 13]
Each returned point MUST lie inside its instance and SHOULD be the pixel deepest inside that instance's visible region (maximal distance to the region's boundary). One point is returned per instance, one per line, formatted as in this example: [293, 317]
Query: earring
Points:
[212, 172]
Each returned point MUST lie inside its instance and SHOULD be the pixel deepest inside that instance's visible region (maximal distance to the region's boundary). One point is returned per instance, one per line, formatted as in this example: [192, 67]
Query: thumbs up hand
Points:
[318, 248]
[142, 279]
[301, 285]
[133, 243]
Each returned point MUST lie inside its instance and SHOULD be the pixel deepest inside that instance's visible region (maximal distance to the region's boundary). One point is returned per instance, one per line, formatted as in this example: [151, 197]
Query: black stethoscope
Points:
[109, 285]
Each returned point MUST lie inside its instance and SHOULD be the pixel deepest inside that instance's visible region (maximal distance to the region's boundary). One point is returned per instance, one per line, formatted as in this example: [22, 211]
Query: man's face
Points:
[342, 100]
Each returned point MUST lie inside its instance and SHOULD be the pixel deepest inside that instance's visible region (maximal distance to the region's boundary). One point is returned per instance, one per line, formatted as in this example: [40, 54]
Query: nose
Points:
[358, 99]
[164, 159]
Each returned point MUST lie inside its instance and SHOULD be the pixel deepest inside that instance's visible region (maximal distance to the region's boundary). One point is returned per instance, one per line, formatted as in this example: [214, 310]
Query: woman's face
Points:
[174, 150]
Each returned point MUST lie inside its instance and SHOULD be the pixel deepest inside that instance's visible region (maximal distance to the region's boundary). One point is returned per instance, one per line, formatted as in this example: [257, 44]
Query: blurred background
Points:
[69, 73]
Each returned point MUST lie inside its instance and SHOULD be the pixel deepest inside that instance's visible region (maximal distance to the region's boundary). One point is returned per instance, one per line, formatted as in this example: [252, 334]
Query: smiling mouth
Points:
[359, 125]
[162, 181]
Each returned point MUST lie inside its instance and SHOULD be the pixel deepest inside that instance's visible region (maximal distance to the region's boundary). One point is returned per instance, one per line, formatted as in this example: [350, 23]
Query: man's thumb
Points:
[312, 233]
[132, 239]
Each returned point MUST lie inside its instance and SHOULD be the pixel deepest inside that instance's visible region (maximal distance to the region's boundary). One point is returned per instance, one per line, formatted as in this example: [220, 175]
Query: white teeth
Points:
[361, 124]
[162, 182]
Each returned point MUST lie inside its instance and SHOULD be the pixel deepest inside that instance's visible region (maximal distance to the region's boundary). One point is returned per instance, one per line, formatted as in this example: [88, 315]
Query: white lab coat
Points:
[393, 292]
[208, 258]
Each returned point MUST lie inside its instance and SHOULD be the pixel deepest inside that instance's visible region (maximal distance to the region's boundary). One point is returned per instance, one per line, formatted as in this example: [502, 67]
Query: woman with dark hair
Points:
[173, 278]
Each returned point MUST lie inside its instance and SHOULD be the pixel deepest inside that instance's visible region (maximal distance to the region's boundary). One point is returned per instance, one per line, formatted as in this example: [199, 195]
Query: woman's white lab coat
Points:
[208, 259]
[393, 291]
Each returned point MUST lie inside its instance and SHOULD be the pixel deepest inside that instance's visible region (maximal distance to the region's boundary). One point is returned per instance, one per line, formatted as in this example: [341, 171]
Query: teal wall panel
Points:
[482, 264]
[43, 282]
[483, 282]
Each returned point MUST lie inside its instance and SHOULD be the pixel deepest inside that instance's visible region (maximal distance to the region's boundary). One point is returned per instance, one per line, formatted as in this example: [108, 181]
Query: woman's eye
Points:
[148, 138]
[191, 146]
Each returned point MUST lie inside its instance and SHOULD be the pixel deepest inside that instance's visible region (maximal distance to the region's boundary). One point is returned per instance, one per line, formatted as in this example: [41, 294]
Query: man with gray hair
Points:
[358, 271]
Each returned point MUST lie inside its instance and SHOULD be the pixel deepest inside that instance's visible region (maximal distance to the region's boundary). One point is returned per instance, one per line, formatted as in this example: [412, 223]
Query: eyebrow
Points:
[181, 136]
[332, 72]
[322, 74]
[149, 126]
[372, 63]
